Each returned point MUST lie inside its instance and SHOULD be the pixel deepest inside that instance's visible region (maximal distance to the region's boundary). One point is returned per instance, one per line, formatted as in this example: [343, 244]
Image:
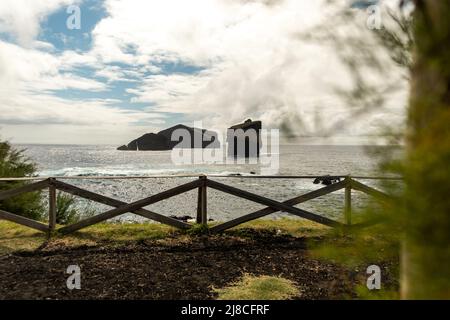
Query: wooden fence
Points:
[202, 183]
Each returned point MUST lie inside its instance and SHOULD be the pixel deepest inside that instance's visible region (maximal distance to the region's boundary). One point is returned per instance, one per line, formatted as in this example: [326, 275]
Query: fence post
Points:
[348, 201]
[52, 206]
[199, 205]
[204, 204]
[202, 210]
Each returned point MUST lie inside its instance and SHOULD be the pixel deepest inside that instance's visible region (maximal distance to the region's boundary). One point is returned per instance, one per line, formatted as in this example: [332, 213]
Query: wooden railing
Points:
[202, 183]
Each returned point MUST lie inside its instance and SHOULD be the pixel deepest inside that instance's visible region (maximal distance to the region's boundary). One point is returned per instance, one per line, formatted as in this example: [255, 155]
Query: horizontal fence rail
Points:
[202, 183]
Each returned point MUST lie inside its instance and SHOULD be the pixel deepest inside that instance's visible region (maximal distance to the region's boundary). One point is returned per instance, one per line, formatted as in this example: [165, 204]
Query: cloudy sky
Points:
[137, 66]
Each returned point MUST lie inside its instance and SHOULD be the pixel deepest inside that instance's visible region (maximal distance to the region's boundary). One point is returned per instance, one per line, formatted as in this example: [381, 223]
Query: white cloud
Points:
[52, 110]
[29, 79]
[23, 17]
[252, 62]
[201, 32]
[31, 75]
[31, 70]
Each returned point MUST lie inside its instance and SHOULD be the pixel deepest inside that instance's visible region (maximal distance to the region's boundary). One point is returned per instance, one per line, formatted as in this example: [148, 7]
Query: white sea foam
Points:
[105, 171]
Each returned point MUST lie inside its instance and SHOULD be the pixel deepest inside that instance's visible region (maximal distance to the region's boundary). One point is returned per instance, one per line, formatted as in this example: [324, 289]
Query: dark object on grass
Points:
[182, 218]
[185, 218]
[327, 180]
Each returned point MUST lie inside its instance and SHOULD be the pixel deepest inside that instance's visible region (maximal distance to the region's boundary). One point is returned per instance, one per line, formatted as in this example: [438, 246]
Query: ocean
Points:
[84, 161]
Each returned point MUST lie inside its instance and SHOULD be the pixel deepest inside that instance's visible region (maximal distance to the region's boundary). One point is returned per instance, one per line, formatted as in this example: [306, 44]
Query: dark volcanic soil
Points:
[174, 270]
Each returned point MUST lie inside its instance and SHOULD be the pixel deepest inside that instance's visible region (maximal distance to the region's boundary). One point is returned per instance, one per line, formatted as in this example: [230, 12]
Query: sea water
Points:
[84, 161]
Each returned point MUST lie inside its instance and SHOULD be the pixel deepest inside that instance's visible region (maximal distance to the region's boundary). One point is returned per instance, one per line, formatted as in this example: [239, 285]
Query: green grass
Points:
[14, 237]
[259, 288]
[293, 227]
[126, 231]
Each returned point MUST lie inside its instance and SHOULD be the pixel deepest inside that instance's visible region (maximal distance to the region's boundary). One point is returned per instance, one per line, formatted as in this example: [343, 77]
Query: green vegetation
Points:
[419, 221]
[13, 164]
[425, 214]
[14, 237]
[197, 230]
[283, 226]
[66, 212]
[357, 248]
[125, 232]
[259, 288]
[290, 226]
[384, 294]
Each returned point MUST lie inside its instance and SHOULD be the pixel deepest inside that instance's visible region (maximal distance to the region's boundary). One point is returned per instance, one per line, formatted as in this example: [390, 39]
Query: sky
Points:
[138, 66]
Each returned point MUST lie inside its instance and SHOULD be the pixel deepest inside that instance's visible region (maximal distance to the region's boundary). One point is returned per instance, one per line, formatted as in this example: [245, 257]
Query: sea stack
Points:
[244, 139]
[163, 140]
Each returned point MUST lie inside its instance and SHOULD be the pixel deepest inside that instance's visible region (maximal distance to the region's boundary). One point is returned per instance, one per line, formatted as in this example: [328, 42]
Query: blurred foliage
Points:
[426, 210]
[384, 294]
[384, 53]
[419, 213]
[14, 164]
[359, 248]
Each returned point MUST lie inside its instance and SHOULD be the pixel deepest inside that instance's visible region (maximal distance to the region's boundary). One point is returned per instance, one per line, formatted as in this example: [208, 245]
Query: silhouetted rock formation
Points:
[149, 141]
[206, 138]
[186, 137]
[244, 139]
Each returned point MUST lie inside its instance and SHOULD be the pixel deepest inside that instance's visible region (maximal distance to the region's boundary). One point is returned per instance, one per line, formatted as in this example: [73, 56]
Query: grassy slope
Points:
[14, 237]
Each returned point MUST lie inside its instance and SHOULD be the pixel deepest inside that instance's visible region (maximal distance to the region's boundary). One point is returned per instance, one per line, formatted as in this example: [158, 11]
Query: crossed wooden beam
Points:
[137, 207]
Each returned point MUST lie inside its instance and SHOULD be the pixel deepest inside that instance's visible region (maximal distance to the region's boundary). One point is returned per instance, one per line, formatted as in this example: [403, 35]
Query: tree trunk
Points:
[425, 271]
